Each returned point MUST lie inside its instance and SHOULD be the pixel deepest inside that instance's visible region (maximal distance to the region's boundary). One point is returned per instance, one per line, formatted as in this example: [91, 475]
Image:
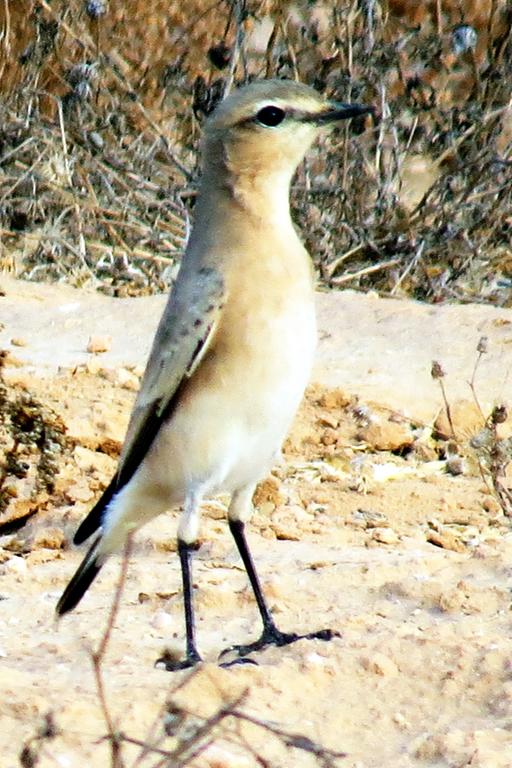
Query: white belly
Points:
[228, 433]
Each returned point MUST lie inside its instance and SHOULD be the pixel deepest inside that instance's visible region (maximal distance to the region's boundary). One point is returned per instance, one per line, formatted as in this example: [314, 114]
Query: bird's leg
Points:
[187, 535]
[271, 635]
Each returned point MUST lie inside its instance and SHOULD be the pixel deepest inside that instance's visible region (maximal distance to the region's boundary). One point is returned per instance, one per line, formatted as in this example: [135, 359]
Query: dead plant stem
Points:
[98, 658]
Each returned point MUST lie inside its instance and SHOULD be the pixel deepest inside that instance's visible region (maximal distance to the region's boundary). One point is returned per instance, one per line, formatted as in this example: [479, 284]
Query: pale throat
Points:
[263, 195]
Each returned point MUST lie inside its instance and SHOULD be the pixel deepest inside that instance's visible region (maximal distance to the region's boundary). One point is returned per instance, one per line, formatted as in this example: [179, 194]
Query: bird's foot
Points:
[271, 636]
[170, 663]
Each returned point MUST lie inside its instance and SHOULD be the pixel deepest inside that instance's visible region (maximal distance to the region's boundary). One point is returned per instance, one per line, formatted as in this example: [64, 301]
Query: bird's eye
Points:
[270, 116]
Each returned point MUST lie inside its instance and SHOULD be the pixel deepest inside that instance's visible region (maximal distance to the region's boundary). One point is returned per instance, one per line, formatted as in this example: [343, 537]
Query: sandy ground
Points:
[362, 529]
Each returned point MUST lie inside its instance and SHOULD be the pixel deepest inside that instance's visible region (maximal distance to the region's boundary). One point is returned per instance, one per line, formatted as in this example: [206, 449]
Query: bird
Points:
[233, 350]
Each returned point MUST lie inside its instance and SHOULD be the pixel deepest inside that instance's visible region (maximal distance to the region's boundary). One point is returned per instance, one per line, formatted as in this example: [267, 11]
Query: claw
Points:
[237, 662]
[273, 636]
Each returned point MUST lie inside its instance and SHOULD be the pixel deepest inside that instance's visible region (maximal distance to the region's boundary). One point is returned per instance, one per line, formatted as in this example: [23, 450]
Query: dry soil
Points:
[365, 528]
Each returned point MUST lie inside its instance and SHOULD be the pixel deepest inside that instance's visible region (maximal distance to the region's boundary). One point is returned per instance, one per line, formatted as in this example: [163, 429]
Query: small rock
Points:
[79, 491]
[16, 566]
[285, 531]
[162, 620]
[452, 600]
[456, 465]
[380, 664]
[446, 540]
[49, 538]
[490, 504]
[137, 370]
[93, 367]
[386, 435]
[266, 508]
[166, 544]
[368, 518]
[19, 342]
[329, 437]
[334, 399]
[424, 452]
[216, 756]
[97, 344]
[268, 491]
[385, 535]
[401, 721]
[466, 419]
[88, 460]
[128, 380]
[41, 556]
[329, 420]
[426, 747]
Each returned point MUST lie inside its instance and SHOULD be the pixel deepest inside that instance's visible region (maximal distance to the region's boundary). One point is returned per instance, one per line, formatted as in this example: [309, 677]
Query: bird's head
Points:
[268, 125]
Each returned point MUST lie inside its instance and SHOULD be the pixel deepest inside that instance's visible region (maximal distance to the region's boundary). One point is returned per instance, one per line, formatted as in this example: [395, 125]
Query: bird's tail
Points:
[82, 580]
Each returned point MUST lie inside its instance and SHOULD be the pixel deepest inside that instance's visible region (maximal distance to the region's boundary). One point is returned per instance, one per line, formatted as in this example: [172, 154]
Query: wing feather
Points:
[182, 338]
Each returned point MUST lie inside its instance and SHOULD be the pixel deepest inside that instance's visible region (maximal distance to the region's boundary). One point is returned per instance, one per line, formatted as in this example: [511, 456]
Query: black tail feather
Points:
[93, 520]
[81, 581]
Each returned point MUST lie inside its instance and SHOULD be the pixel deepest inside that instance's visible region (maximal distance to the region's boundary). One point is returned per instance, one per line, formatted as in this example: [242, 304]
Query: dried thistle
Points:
[95, 8]
[499, 414]
[483, 345]
[437, 371]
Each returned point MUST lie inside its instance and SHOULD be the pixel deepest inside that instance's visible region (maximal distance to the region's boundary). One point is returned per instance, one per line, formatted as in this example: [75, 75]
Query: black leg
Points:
[271, 635]
[192, 656]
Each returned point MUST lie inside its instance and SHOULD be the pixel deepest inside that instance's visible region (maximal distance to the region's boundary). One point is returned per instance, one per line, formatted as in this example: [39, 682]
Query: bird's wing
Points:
[182, 338]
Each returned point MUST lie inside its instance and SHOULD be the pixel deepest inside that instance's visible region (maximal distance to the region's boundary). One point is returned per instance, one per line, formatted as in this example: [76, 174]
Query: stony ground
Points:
[372, 526]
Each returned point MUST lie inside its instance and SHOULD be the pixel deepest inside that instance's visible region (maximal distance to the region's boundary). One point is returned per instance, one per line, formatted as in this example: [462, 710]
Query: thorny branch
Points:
[98, 658]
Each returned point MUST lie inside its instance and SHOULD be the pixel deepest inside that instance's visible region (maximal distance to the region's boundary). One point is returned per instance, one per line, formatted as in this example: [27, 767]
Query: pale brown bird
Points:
[233, 351]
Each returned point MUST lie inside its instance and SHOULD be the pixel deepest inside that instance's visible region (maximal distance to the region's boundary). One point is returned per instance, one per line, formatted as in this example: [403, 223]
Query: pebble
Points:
[466, 419]
[329, 420]
[49, 538]
[285, 531]
[401, 721]
[93, 367]
[385, 535]
[380, 664]
[456, 465]
[87, 460]
[128, 380]
[446, 540]
[79, 492]
[161, 620]
[62, 759]
[490, 504]
[97, 344]
[216, 756]
[266, 508]
[16, 566]
[334, 399]
[268, 491]
[386, 435]
[426, 747]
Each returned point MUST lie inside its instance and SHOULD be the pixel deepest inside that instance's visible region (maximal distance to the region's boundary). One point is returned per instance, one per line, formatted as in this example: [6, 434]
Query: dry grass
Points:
[100, 125]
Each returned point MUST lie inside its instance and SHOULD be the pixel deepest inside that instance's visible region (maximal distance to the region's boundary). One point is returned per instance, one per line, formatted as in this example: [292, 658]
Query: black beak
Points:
[338, 112]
